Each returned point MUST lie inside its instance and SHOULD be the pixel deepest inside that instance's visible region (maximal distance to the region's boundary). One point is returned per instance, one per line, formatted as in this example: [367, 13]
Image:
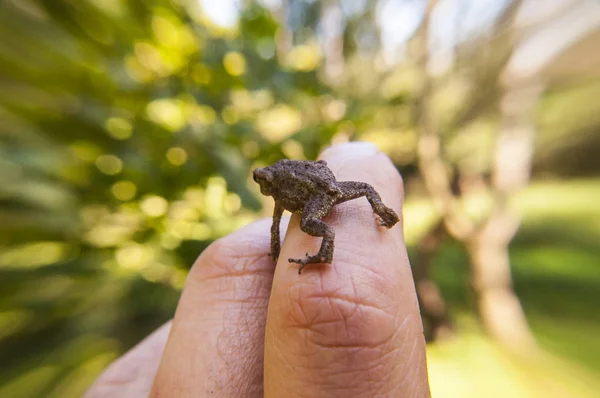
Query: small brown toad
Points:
[310, 188]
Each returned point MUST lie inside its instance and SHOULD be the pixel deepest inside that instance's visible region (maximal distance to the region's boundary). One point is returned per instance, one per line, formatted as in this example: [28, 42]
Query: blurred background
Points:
[129, 129]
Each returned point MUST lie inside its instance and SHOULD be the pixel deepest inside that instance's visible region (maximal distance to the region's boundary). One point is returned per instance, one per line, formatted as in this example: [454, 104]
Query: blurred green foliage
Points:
[128, 130]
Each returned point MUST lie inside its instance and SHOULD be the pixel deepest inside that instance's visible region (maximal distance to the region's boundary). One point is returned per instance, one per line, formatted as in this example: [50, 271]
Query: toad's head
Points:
[264, 177]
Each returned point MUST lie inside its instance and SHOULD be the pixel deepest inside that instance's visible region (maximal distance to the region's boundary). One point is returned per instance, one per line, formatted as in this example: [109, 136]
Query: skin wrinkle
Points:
[409, 373]
[333, 303]
[378, 357]
[241, 271]
[422, 368]
[413, 349]
[347, 261]
[356, 306]
[252, 293]
[347, 300]
[245, 329]
[345, 349]
[235, 348]
[365, 286]
[367, 387]
[355, 256]
[254, 326]
[295, 304]
[225, 254]
[221, 257]
[382, 346]
[284, 359]
[411, 357]
[301, 301]
[336, 390]
[305, 327]
[231, 357]
[352, 254]
[379, 361]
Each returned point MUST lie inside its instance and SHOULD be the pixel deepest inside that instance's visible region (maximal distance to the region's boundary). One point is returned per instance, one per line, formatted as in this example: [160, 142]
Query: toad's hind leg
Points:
[317, 208]
[352, 190]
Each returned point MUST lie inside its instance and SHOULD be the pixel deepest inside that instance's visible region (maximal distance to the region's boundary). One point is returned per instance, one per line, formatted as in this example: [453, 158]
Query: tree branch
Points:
[431, 165]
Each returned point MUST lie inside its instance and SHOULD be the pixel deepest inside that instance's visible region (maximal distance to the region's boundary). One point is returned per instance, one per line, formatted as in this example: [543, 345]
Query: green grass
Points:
[471, 365]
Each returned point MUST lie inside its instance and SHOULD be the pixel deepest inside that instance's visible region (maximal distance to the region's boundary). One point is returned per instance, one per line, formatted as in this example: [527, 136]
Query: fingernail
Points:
[355, 148]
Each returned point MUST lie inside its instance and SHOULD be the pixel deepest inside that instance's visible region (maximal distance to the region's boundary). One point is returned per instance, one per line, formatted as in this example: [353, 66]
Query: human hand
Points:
[245, 328]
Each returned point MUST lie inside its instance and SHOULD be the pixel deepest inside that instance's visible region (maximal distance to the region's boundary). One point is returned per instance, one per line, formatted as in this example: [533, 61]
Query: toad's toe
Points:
[387, 217]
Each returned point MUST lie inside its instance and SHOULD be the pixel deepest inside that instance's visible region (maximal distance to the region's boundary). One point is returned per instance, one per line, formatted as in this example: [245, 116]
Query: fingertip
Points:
[363, 161]
[350, 149]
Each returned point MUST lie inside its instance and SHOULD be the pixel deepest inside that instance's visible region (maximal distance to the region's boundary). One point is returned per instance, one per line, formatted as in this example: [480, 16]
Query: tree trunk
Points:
[487, 244]
[499, 306]
[283, 36]
[434, 311]
[333, 27]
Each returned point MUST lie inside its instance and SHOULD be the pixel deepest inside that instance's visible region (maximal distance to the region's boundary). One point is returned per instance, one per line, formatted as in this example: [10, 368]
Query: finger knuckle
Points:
[342, 317]
[220, 258]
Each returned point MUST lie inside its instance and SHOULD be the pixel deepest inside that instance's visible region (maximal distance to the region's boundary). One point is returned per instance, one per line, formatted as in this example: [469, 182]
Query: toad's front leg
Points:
[353, 189]
[317, 208]
[275, 239]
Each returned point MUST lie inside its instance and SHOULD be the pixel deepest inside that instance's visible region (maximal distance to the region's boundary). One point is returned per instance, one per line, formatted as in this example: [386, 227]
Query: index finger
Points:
[350, 328]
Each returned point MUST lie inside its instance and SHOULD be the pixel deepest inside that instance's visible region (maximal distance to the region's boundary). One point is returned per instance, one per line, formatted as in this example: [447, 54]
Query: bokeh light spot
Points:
[109, 164]
[203, 114]
[235, 63]
[232, 203]
[278, 122]
[150, 58]
[177, 156]
[266, 48]
[119, 128]
[167, 113]
[154, 206]
[124, 190]
[304, 58]
[166, 31]
[85, 150]
[293, 149]
[131, 257]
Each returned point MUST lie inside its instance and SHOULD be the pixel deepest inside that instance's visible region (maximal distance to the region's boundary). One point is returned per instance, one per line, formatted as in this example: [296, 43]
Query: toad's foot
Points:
[387, 217]
[274, 253]
[316, 259]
